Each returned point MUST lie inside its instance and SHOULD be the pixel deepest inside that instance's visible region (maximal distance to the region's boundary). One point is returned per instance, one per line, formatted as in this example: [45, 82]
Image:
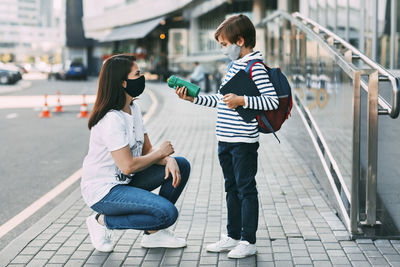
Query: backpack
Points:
[270, 121]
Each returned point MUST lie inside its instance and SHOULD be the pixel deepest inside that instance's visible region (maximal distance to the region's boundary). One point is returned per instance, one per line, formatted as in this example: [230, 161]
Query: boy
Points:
[238, 140]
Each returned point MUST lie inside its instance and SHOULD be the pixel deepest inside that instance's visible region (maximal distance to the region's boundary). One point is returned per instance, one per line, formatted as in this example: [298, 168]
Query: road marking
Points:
[12, 116]
[153, 107]
[37, 101]
[38, 204]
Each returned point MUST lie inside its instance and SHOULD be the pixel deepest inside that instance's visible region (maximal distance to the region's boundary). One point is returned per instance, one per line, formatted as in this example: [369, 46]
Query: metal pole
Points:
[393, 30]
[374, 29]
[372, 142]
[361, 45]
[348, 21]
[336, 14]
[355, 179]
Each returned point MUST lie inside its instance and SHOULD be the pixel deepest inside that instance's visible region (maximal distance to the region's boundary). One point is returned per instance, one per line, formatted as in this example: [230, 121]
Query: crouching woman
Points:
[122, 168]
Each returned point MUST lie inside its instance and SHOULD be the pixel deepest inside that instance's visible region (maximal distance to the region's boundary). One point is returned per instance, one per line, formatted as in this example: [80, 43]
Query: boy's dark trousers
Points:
[239, 166]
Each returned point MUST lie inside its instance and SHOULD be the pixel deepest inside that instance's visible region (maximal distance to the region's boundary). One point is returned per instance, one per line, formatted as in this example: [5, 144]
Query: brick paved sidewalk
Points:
[296, 227]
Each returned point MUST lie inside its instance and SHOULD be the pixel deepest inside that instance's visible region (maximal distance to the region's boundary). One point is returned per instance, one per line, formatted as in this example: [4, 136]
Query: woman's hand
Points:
[166, 149]
[182, 93]
[172, 168]
[233, 101]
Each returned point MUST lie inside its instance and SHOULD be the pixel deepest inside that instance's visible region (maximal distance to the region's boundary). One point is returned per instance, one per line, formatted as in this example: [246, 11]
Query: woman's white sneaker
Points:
[162, 239]
[243, 250]
[225, 244]
[101, 237]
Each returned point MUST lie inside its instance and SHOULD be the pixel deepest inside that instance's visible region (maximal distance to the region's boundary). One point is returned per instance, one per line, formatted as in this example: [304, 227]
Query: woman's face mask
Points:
[232, 51]
[135, 87]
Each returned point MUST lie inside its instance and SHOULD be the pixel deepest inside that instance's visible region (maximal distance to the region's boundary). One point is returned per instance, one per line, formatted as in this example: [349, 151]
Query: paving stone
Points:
[22, 259]
[356, 257]
[30, 250]
[36, 262]
[319, 257]
[188, 263]
[360, 264]
[322, 263]
[132, 261]
[283, 263]
[174, 261]
[97, 259]
[59, 259]
[302, 261]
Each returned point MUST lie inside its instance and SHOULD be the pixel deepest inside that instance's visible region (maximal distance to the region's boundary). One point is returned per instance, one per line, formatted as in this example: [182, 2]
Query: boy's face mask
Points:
[135, 87]
[232, 51]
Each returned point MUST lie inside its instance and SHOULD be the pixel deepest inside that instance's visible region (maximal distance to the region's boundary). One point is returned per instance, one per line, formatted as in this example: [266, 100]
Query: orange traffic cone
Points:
[45, 110]
[58, 108]
[84, 110]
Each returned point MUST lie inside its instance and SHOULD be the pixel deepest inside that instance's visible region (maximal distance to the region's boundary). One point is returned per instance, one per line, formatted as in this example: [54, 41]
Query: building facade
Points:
[32, 30]
[371, 25]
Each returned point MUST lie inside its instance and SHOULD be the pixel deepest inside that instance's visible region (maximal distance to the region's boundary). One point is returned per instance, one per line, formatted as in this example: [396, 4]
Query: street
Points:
[39, 153]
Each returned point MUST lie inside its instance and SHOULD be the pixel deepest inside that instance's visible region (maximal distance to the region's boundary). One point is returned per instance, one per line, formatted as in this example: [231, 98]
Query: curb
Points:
[15, 88]
[19, 243]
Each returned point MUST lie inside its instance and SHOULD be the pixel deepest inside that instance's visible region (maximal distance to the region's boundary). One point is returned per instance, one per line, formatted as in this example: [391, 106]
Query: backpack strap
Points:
[266, 122]
[264, 119]
[229, 66]
[250, 65]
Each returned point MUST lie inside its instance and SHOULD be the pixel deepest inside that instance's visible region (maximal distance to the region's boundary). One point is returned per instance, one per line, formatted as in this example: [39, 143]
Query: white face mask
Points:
[232, 51]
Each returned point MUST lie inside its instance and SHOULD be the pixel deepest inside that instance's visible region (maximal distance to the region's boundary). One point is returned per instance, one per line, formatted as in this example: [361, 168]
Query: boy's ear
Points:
[240, 41]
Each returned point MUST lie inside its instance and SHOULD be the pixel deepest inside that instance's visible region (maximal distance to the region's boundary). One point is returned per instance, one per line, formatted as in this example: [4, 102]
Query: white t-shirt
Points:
[114, 131]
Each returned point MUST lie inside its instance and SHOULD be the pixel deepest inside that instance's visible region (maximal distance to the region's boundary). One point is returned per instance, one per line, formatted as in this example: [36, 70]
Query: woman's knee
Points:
[170, 215]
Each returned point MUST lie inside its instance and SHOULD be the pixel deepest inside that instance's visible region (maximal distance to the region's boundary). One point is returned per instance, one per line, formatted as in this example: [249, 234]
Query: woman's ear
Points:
[124, 84]
[240, 41]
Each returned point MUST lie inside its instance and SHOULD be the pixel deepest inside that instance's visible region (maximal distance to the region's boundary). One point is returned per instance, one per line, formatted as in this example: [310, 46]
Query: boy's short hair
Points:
[235, 26]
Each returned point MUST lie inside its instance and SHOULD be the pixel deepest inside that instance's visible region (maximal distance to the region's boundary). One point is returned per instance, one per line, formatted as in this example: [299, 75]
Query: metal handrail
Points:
[393, 110]
[344, 59]
[302, 22]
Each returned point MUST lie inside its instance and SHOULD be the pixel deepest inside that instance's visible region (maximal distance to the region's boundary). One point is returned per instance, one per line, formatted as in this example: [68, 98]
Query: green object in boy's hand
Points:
[192, 89]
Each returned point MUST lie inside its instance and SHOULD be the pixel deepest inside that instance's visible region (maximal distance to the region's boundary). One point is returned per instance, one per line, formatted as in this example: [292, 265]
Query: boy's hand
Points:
[233, 101]
[182, 93]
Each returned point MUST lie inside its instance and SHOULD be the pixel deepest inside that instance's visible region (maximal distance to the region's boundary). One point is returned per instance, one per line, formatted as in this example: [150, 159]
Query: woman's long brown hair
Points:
[110, 94]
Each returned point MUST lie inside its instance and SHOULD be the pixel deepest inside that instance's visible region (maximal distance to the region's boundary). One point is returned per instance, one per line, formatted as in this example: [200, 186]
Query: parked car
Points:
[75, 70]
[9, 74]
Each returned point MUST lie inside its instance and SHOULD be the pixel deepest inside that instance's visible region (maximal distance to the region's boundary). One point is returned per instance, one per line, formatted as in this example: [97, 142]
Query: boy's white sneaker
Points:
[101, 237]
[162, 239]
[242, 250]
[225, 244]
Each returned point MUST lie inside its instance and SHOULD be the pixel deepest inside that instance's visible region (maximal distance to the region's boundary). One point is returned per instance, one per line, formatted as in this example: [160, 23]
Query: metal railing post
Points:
[355, 180]
[372, 143]
[355, 177]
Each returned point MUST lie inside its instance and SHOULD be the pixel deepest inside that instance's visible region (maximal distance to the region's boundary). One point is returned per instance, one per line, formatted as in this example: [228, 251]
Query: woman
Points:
[121, 167]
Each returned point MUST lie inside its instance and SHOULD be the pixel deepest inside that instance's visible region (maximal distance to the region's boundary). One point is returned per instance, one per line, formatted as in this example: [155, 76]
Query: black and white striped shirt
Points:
[230, 125]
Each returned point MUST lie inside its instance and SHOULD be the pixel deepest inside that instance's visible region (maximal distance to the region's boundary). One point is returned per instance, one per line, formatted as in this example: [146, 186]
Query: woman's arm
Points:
[128, 164]
[148, 148]
[171, 166]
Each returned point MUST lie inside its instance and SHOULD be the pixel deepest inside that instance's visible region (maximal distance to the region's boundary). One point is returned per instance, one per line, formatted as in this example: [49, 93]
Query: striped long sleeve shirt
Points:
[230, 125]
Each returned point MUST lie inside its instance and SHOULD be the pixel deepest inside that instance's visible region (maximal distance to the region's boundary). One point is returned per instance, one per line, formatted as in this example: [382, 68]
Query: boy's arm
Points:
[207, 100]
[203, 100]
[268, 100]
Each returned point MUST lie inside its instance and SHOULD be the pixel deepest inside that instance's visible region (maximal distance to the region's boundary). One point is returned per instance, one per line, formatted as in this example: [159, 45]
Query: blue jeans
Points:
[133, 206]
[239, 166]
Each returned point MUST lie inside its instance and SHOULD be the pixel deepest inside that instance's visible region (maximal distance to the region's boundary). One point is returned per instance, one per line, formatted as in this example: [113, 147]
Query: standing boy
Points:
[237, 139]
